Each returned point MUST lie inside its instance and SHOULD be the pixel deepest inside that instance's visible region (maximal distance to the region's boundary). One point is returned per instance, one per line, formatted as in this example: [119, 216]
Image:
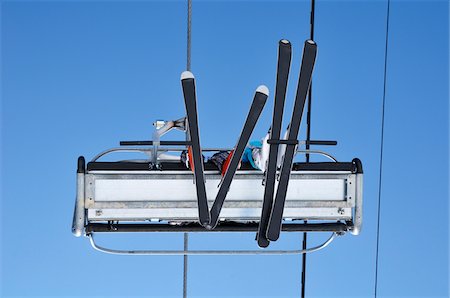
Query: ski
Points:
[256, 108]
[188, 85]
[284, 61]
[306, 69]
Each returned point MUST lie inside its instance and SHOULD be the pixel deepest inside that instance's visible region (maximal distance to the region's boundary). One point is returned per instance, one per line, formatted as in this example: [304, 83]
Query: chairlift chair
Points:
[161, 194]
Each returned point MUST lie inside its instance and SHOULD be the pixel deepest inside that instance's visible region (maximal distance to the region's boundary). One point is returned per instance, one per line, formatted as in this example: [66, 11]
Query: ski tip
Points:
[205, 223]
[311, 42]
[285, 41]
[262, 242]
[187, 75]
[273, 235]
[263, 89]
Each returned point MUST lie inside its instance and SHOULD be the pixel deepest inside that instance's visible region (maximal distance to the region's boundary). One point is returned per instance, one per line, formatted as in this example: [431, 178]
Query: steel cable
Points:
[381, 149]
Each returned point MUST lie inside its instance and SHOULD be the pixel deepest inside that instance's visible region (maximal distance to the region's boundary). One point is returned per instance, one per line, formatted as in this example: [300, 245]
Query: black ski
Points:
[284, 61]
[188, 84]
[256, 108]
[276, 217]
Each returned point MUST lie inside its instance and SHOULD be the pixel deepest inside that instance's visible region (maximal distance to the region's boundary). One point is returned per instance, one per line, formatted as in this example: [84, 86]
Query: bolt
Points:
[98, 212]
[341, 211]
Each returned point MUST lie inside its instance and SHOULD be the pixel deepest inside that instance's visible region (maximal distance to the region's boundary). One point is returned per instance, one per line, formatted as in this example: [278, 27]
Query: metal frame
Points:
[351, 207]
[84, 207]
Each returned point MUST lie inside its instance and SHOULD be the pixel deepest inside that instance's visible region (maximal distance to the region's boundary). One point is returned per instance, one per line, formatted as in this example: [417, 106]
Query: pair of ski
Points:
[209, 219]
[272, 210]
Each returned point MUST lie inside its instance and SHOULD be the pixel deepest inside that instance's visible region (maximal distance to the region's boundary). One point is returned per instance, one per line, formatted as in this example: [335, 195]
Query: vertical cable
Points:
[185, 265]
[308, 138]
[308, 115]
[188, 68]
[304, 266]
[189, 24]
[382, 146]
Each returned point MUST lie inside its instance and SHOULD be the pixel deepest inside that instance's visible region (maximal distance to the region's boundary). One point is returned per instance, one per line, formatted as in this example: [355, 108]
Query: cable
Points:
[185, 258]
[381, 147]
[189, 38]
[188, 68]
[308, 138]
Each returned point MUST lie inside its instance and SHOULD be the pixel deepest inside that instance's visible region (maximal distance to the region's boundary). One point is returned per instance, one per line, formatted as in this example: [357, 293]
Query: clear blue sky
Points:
[79, 76]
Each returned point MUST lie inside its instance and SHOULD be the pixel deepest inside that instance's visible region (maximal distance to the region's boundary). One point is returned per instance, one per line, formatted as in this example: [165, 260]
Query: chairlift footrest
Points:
[337, 227]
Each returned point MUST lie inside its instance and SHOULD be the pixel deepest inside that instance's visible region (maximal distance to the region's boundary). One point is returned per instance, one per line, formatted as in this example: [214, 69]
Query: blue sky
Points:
[79, 76]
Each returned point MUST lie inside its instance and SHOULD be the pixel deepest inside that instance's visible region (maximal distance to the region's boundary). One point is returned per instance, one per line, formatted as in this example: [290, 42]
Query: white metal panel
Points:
[184, 189]
[137, 196]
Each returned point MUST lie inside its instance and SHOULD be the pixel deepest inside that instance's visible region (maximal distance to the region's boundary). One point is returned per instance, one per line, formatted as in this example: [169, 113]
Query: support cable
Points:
[185, 264]
[381, 148]
[308, 138]
[188, 68]
[189, 25]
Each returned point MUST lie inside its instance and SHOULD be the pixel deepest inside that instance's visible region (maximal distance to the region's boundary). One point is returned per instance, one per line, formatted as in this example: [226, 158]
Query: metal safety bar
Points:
[186, 143]
[174, 149]
[209, 252]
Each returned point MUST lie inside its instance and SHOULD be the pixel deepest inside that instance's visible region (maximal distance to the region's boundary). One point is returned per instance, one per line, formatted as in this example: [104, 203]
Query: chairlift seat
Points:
[161, 194]
[132, 193]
